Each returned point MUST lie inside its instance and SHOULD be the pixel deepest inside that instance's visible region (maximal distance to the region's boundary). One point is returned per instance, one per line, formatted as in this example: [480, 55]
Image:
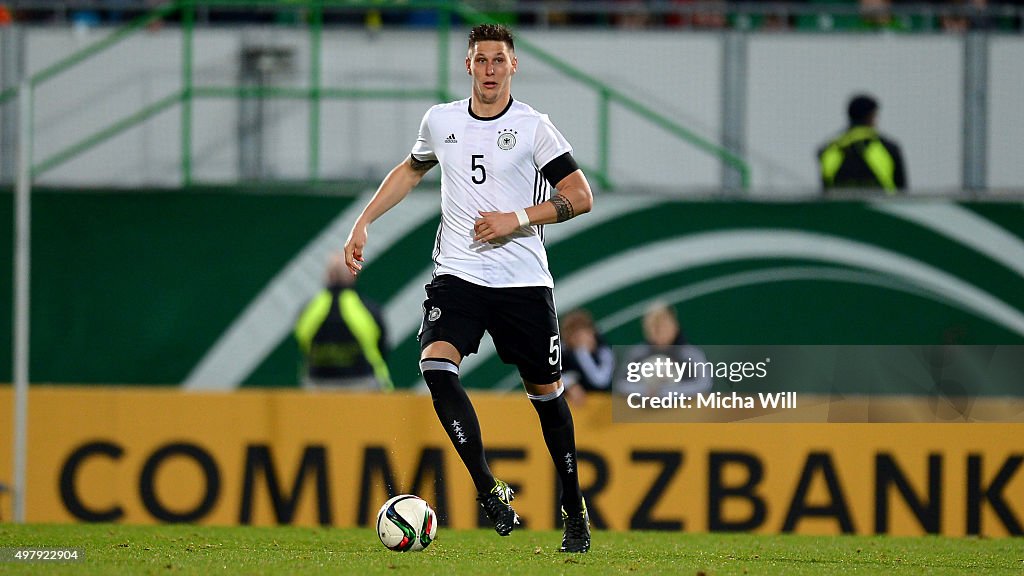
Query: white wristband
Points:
[524, 220]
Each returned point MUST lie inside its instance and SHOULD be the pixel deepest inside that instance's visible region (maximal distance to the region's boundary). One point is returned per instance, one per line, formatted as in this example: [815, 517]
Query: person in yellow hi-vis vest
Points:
[860, 157]
[342, 337]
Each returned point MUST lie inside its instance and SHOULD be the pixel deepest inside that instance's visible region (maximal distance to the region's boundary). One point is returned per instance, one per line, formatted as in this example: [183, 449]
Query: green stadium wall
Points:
[139, 287]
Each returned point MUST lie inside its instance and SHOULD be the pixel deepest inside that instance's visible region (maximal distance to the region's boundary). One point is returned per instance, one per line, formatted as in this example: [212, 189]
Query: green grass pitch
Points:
[183, 549]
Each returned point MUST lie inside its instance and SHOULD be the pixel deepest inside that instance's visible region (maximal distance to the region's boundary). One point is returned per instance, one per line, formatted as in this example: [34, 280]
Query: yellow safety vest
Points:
[875, 154]
[359, 321]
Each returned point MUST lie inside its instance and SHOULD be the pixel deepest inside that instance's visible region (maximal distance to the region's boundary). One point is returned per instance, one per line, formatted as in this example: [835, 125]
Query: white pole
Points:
[21, 296]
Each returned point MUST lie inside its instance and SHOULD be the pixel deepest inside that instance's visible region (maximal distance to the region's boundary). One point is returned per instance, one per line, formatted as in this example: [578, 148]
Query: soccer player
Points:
[506, 172]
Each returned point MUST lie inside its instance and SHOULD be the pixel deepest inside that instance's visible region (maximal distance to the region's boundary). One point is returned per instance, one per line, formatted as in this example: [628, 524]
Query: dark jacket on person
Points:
[862, 158]
[592, 370]
[342, 335]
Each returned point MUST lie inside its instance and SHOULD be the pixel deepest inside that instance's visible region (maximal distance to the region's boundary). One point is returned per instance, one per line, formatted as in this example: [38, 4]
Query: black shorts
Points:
[522, 322]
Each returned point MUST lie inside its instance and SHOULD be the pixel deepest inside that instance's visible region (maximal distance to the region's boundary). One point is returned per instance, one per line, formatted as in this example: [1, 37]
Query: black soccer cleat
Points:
[577, 531]
[497, 505]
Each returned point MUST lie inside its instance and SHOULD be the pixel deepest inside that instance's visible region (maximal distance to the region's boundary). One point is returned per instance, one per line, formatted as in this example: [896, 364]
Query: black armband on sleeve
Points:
[559, 168]
[421, 165]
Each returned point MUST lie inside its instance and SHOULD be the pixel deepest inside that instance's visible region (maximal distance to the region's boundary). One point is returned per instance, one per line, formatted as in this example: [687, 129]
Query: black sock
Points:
[556, 423]
[458, 417]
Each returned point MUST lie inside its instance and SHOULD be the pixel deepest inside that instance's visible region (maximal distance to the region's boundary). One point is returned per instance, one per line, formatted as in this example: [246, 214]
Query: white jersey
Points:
[489, 165]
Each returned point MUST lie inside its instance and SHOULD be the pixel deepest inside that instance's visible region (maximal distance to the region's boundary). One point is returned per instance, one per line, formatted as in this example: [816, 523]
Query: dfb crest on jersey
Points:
[434, 314]
[507, 139]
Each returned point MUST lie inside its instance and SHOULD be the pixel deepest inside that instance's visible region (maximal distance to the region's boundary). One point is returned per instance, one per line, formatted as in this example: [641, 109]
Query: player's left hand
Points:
[493, 225]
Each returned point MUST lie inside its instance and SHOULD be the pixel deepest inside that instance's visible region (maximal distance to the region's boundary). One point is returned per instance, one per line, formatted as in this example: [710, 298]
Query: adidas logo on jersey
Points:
[451, 139]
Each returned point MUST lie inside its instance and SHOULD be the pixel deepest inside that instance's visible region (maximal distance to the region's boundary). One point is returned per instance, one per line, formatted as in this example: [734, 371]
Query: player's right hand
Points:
[354, 248]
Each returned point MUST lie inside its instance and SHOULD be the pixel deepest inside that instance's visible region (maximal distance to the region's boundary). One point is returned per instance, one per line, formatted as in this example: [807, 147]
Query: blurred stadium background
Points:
[191, 165]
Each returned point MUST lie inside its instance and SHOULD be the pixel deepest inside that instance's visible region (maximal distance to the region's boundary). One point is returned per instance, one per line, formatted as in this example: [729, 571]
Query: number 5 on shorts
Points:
[555, 351]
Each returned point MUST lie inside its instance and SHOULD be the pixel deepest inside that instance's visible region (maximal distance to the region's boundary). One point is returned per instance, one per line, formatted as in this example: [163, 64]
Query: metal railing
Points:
[186, 11]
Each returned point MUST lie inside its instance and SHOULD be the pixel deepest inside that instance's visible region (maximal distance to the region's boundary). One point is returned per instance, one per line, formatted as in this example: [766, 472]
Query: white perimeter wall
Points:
[797, 89]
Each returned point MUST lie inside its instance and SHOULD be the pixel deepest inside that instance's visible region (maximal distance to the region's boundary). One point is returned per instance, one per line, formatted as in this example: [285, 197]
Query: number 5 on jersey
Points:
[478, 166]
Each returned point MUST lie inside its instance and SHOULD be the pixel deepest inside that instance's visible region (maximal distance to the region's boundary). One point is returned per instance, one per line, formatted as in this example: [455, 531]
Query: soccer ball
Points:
[406, 523]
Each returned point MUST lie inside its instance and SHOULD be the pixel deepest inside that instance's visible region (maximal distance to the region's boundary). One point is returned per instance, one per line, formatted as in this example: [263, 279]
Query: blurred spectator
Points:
[968, 15]
[635, 16]
[776, 22]
[860, 157]
[839, 15]
[555, 12]
[82, 21]
[768, 22]
[342, 337]
[706, 14]
[860, 15]
[664, 341]
[588, 363]
[876, 14]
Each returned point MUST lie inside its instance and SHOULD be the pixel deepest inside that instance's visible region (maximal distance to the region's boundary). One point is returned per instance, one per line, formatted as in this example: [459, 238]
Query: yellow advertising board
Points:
[287, 457]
